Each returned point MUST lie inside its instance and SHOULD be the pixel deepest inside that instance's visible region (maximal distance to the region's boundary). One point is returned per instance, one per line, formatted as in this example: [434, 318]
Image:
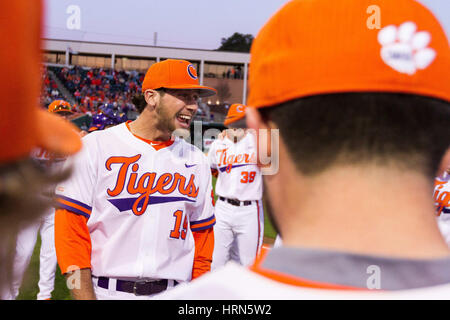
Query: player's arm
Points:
[84, 289]
[212, 160]
[72, 236]
[213, 165]
[201, 225]
[204, 247]
[73, 252]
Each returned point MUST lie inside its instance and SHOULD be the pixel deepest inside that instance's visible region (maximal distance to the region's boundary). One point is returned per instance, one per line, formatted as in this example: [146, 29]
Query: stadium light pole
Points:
[202, 68]
[244, 94]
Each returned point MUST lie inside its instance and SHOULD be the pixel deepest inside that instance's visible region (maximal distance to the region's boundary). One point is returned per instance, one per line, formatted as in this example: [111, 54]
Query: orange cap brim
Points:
[203, 90]
[232, 119]
[56, 134]
[61, 110]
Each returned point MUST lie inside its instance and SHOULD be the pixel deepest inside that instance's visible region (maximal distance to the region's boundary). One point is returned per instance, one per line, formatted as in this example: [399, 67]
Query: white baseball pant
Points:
[238, 233]
[26, 241]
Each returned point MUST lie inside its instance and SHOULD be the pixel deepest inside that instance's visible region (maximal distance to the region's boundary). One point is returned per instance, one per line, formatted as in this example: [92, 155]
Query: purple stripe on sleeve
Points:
[193, 223]
[73, 210]
[81, 204]
[203, 228]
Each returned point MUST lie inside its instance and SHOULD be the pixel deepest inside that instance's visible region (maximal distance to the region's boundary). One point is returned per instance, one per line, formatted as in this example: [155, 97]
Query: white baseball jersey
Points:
[442, 201]
[141, 203]
[239, 176]
[235, 282]
[301, 273]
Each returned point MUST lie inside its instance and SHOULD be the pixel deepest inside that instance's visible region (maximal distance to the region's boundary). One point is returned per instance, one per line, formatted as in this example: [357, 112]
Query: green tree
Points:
[238, 42]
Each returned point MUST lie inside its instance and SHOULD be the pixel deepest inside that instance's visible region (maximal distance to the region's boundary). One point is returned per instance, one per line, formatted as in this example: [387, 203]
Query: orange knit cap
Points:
[23, 125]
[235, 113]
[174, 74]
[313, 47]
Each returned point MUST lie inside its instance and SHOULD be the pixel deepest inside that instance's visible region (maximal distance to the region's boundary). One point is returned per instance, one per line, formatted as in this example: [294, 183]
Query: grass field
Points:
[29, 288]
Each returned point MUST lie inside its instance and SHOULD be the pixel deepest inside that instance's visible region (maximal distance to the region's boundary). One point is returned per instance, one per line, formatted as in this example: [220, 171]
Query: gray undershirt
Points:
[356, 270]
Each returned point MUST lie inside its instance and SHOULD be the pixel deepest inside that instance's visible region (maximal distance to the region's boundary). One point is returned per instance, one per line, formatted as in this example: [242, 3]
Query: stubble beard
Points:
[166, 121]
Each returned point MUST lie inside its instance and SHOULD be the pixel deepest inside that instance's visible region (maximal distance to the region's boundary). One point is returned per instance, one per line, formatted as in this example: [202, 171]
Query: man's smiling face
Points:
[176, 108]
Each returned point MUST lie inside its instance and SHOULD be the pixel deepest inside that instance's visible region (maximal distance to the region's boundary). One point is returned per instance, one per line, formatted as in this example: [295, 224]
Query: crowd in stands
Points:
[94, 87]
[49, 90]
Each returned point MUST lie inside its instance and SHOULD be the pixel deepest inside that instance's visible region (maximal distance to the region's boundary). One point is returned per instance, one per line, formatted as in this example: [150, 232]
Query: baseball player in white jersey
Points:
[341, 104]
[136, 216]
[26, 239]
[441, 198]
[239, 230]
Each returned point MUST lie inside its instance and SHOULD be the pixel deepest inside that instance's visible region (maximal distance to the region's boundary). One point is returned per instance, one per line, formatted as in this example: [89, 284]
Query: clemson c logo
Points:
[191, 72]
[239, 108]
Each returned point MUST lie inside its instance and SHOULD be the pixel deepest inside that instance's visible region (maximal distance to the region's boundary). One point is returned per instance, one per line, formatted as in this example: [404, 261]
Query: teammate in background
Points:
[361, 112]
[23, 126]
[136, 217]
[239, 230]
[442, 202]
[26, 239]
[120, 117]
[100, 121]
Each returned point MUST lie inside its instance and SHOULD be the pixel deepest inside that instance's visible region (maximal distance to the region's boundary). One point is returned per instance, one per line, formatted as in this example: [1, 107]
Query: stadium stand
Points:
[91, 89]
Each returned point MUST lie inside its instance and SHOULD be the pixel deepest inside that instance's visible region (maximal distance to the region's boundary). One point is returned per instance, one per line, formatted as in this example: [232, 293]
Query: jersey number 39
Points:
[248, 177]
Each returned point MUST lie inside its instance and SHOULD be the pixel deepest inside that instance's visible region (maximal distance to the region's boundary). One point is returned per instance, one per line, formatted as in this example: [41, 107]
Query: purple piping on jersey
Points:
[201, 222]
[442, 209]
[125, 204]
[193, 223]
[235, 166]
[73, 210]
[81, 204]
[203, 228]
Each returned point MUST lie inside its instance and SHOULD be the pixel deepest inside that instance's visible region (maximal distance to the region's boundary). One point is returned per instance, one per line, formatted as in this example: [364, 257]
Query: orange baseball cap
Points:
[175, 74]
[60, 106]
[312, 47]
[23, 125]
[235, 113]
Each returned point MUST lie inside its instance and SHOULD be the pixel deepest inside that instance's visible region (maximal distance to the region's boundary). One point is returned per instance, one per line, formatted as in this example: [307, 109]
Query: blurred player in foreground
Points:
[239, 230]
[23, 127]
[136, 216]
[26, 239]
[364, 120]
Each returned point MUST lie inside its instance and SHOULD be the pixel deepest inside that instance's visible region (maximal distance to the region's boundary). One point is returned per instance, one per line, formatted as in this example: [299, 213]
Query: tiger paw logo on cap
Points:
[404, 49]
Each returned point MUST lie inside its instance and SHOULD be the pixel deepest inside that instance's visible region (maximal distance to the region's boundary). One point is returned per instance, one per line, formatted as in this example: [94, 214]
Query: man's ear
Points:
[267, 139]
[151, 97]
[254, 120]
[445, 163]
